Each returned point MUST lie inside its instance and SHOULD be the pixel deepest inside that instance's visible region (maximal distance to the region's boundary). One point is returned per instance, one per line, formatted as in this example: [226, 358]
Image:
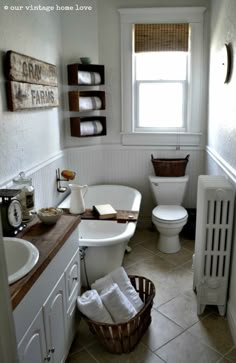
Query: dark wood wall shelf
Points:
[77, 103]
[73, 69]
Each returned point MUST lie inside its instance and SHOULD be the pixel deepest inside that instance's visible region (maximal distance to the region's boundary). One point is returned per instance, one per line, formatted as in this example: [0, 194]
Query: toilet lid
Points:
[169, 213]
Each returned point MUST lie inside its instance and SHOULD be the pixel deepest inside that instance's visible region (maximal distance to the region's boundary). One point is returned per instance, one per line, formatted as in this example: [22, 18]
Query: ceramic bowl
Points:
[85, 60]
[49, 215]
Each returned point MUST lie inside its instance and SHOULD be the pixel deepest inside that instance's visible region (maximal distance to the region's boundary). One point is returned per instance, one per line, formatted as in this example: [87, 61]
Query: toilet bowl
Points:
[169, 221]
[169, 216]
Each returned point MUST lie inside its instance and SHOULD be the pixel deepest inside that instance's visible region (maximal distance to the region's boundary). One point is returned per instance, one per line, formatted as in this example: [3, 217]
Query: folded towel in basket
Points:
[89, 77]
[117, 304]
[102, 283]
[91, 305]
[121, 278]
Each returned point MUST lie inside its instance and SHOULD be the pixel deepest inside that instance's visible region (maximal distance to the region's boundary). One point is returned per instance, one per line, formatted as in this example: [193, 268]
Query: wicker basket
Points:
[122, 338]
[170, 167]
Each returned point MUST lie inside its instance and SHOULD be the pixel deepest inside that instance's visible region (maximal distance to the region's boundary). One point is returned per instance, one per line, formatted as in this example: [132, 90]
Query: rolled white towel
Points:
[91, 305]
[85, 77]
[121, 278]
[102, 283]
[117, 304]
[89, 103]
[91, 128]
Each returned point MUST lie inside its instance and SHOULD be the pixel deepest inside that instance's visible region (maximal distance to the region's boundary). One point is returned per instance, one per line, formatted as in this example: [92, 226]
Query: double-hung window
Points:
[160, 63]
[162, 74]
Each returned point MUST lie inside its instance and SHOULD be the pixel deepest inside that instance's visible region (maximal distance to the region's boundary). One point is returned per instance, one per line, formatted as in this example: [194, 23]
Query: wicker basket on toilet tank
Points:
[169, 167]
[123, 338]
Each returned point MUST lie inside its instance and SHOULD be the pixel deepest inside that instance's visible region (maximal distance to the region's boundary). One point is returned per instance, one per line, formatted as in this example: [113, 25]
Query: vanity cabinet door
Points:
[72, 275]
[54, 310]
[32, 347]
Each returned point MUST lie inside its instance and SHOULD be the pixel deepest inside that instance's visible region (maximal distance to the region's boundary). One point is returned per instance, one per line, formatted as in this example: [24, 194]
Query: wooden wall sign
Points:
[22, 96]
[26, 69]
[32, 82]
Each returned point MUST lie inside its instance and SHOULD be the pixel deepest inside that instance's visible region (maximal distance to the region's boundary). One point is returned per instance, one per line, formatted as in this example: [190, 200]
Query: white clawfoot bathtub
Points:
[104, 242]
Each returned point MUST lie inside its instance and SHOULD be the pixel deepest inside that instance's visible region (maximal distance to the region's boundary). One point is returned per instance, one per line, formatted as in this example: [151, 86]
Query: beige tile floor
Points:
[177, 334]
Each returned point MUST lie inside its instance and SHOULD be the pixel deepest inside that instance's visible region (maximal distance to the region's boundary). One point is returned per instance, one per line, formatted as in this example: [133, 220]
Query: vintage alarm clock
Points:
[11, 212]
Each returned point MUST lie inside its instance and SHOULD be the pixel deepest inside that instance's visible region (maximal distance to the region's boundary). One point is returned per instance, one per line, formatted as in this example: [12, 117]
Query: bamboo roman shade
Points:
[161, 37]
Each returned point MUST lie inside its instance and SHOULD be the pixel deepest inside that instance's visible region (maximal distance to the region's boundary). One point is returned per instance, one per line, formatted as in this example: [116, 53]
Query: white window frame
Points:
[195, 111]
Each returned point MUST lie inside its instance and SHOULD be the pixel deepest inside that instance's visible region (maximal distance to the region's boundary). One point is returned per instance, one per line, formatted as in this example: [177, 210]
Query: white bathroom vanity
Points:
[45, 316]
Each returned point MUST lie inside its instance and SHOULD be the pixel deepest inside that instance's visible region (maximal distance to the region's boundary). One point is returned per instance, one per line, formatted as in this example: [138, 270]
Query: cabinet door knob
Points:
[48, 358]
[52, 350]
[75, 278]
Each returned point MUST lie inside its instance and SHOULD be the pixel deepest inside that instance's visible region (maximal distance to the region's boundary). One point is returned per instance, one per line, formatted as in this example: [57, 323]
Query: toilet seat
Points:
[169, 213]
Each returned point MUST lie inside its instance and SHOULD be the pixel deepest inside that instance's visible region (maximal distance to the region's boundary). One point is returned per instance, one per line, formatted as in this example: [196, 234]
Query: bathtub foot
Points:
[128, 249]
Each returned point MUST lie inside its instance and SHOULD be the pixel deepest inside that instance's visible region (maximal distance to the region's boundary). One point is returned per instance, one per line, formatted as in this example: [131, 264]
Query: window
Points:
[160, 64]
[162, 70]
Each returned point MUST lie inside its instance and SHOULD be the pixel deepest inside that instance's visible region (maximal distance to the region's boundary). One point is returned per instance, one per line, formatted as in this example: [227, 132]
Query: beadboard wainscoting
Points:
[216, 165]
[131, 166]
[111, 164]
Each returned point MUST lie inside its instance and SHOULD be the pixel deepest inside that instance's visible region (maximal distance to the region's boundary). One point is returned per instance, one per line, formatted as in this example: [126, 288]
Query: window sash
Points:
[136, 123]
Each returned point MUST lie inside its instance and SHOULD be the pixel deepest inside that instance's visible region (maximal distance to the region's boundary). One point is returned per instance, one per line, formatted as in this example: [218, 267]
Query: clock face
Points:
[14, 213]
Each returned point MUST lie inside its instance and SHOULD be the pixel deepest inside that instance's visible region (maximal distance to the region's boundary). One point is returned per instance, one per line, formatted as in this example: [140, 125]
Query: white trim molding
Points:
[226, 167]
[60, 154]
[166, 139]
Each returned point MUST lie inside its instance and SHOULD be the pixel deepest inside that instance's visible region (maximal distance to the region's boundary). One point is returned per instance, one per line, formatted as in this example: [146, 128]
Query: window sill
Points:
[193, 139]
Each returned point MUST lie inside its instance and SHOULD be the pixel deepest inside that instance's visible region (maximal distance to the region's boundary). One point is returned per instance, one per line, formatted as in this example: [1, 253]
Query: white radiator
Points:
[215, 208]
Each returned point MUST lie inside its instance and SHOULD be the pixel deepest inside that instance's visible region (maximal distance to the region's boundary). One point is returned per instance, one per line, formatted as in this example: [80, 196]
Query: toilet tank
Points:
[168, 190]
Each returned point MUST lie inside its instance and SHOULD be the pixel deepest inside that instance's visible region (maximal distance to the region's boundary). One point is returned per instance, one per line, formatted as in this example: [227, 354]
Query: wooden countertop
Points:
[48, 239]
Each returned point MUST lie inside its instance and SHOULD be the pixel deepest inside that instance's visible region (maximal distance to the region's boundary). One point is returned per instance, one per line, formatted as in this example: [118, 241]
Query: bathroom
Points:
[39, 142]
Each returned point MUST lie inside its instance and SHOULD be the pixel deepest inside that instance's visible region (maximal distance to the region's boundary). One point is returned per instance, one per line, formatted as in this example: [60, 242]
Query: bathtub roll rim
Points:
[129, 229]
[121, 197]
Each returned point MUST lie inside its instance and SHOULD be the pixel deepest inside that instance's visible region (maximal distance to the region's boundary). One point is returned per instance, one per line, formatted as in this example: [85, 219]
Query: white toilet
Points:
[169, 217]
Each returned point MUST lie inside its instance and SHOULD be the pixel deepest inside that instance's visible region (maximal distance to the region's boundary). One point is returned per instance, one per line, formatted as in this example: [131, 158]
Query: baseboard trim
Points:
[231, 314]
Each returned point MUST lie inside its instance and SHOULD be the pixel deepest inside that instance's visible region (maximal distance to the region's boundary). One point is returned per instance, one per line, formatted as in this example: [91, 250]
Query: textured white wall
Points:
[222, 115]
[222, 105]
[28, 137]
[79, 39]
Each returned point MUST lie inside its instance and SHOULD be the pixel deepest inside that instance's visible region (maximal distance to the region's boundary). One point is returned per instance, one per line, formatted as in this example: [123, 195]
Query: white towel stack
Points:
[117, 304]
[121, 278]
[115, 292]
[91, 305]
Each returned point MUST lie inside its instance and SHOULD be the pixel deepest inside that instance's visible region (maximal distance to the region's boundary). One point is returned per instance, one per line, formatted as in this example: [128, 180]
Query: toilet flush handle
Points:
[155, 183]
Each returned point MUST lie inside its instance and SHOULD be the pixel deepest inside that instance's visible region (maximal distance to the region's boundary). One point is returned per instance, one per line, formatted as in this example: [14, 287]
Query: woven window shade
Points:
[161, 37]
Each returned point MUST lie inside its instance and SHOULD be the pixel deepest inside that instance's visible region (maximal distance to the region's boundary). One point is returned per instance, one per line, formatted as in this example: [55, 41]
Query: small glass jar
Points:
[26, 196]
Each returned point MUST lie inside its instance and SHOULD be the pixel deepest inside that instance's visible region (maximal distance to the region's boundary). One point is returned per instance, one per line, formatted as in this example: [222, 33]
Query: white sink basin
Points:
[21, 257]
